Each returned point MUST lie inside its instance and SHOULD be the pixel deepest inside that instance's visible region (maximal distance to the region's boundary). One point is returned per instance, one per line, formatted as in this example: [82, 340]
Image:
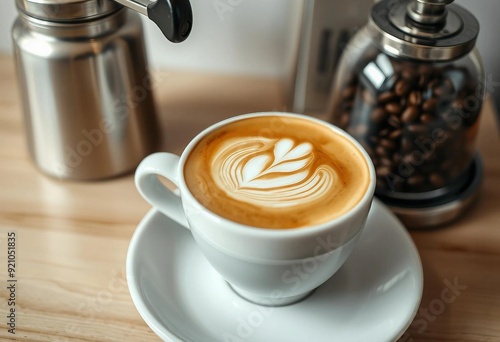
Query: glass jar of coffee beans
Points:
[409, 89]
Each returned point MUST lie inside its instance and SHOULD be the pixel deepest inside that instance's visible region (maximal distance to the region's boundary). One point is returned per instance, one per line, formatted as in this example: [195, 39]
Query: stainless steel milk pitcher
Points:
[86, 92]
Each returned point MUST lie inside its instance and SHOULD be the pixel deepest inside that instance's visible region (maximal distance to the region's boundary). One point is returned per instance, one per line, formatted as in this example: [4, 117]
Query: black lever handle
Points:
[173, 17]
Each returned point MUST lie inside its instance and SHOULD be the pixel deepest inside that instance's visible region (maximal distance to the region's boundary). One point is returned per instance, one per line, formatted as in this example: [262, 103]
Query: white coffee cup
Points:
[266, 266]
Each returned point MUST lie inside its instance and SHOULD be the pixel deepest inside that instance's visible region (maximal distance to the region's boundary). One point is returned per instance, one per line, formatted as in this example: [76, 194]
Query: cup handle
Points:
[152, 190]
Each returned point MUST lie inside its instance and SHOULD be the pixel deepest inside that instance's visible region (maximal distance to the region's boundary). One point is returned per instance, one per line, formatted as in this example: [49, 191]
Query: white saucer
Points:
[373, 297]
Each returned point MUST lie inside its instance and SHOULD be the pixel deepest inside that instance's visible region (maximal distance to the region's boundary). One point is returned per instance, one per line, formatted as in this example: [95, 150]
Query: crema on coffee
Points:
[276, 172]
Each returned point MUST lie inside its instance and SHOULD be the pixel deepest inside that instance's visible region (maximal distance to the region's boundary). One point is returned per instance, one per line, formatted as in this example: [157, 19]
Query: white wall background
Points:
[248, 37]
[257, 37]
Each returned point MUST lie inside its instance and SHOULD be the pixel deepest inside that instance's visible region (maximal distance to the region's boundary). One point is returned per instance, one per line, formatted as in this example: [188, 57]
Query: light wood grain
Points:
[73, 237]
[469, 251]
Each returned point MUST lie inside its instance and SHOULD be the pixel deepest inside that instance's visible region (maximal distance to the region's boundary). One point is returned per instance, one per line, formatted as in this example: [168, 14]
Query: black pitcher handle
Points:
[173, 17]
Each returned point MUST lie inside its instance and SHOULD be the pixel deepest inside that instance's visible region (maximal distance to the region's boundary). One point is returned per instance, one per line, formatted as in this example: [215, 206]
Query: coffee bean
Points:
[408, 73]
[436, 179]
[381, 151]
[410, 114]
[386, 97]
[416, 180]
[415, 98]
[383, 171]
[433, 84]
[426, 118]
[385, 161]
[402, 87]
[397, 157]
[417, 128]
[406, 144]
[395, 134]
[393, 108]
[441, 92]
[414, 159]
[389, 144]
[423, 80]
[394, 121]
[378, 115]
[383, 132]
[457, 104]
[432, 156]
[425, 69]
[430, 105]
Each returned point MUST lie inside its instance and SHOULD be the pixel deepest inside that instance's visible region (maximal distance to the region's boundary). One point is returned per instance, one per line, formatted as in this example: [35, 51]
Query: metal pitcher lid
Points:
[67, 10]
[428, 30]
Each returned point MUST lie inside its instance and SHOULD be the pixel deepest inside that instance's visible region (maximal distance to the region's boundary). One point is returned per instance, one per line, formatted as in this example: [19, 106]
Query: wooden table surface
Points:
[72, 237]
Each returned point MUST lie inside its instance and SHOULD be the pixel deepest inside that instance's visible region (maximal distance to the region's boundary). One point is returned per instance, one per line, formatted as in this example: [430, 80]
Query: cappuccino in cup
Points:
[263, 194]
[277, 172]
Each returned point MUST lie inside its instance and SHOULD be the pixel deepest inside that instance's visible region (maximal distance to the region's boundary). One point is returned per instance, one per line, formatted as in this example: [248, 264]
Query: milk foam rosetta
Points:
[276, 172]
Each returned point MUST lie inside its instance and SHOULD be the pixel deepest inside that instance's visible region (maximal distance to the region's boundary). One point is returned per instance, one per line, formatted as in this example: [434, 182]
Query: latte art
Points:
[276, 172]
[271, 172]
